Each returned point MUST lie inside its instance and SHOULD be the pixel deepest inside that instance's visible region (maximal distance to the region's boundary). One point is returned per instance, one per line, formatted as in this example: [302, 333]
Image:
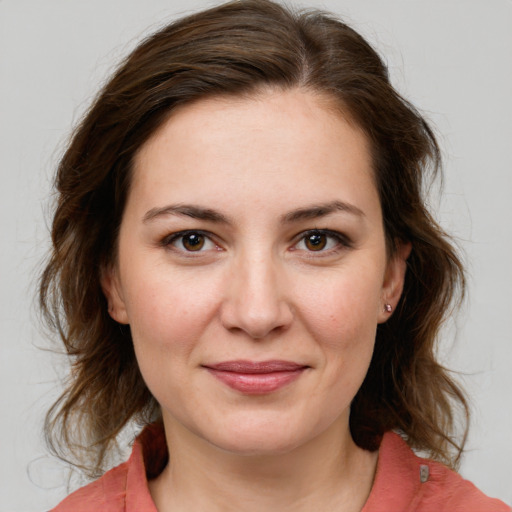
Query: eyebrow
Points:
[197, 212]
[321, 210]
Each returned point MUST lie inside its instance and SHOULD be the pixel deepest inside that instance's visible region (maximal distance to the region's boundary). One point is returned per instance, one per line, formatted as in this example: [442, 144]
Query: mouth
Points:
[256, 378]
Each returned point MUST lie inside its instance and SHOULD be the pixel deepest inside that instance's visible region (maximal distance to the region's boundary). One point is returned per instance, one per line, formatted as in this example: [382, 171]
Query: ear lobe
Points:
[111, 287]
[394, 280]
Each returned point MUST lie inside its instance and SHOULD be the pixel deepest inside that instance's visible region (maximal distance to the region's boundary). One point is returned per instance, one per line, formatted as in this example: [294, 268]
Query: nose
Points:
[256, 301]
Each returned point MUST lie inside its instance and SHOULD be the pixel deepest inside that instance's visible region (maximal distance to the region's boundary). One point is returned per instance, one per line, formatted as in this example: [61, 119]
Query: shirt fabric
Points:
[403, 482]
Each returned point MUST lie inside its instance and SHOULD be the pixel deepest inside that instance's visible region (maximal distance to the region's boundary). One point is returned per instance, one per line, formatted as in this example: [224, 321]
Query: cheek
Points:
[168, 319]
[343, 308]
[341, 314]
[168, 314]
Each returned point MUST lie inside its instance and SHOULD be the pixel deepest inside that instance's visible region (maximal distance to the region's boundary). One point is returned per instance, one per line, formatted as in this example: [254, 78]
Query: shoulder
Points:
[125, 487]
[107, 494]
[406, 482]
[448, 491]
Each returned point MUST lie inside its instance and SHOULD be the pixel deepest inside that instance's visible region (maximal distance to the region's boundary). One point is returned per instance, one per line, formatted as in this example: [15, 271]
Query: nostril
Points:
[271, 320]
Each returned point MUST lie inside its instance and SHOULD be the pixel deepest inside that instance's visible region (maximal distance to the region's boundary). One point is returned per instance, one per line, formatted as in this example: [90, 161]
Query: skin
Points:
[256, 290]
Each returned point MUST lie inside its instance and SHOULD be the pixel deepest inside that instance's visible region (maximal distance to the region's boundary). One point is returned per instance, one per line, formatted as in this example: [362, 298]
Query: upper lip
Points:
[242, 366]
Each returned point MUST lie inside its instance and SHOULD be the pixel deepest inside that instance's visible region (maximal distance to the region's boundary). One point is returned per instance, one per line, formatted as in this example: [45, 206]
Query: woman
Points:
[243, 263]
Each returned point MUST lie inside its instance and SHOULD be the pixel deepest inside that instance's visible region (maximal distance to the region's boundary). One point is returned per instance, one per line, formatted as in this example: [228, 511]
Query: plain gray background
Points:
[452, 58]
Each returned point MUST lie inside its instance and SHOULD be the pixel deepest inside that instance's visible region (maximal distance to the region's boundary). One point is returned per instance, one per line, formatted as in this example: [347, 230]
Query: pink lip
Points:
[256, 378]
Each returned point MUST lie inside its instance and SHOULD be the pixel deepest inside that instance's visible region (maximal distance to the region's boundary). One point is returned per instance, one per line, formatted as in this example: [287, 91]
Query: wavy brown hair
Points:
[239, 48]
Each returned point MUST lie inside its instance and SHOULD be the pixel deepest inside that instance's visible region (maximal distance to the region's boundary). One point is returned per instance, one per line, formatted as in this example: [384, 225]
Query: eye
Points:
[193, 241]
[315, 241]
[190, 241]
[322, 241]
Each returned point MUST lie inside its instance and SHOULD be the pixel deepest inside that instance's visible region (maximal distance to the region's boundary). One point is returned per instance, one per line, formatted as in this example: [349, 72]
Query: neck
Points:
[328, 473]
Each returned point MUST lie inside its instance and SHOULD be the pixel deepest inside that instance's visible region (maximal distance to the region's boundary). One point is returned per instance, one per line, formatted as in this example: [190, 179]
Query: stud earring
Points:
[388, 308]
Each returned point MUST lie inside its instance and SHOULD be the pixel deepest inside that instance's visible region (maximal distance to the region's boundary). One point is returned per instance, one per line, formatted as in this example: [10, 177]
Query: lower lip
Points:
[257, 383]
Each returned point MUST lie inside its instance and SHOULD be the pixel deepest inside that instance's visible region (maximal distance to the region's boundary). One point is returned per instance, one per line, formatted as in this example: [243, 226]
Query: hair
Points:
[238, 49]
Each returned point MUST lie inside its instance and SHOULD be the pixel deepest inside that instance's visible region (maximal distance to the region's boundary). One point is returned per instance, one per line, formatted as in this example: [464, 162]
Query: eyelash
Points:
[169, 240]
[341, 241]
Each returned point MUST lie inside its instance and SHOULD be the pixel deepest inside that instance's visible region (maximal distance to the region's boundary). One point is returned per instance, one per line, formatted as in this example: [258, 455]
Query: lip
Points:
[256, 378]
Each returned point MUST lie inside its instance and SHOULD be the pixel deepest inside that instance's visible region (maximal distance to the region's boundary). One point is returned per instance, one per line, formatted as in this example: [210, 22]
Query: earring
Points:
[388, 308]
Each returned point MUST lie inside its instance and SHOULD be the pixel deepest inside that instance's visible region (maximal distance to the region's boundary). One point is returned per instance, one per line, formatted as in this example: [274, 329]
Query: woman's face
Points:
[252, 270]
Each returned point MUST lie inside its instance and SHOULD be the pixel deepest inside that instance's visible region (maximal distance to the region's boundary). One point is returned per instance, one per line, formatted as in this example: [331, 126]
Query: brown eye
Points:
[193, 241]
[315, 241]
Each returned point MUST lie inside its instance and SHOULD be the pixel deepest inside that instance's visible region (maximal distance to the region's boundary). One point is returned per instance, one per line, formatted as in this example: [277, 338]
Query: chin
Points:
[257, 446]
[260, 438]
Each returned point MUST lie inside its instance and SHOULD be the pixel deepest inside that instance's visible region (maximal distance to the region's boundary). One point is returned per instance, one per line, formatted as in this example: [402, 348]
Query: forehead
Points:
[289, 146]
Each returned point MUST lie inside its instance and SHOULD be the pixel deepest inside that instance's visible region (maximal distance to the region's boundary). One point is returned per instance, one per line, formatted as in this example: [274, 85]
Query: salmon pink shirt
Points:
[404, 482]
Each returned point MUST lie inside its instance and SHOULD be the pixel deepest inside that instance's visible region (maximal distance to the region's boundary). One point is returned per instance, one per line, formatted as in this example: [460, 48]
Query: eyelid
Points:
[168, 241]
[342, 240]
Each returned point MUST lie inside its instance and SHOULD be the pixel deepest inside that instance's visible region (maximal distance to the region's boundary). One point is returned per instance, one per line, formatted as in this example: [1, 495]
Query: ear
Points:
[111, 286]
[394, 279]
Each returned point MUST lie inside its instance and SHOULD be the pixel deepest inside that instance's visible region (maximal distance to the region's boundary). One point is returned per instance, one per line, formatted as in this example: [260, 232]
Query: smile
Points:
[256, 378]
